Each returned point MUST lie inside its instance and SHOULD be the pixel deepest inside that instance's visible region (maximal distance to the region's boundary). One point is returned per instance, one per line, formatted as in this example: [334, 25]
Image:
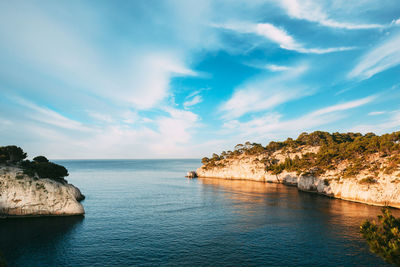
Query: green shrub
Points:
[40, 159]
[354, 148]
[48, 170]
[367, 180]
[383, 238]
[12, 154]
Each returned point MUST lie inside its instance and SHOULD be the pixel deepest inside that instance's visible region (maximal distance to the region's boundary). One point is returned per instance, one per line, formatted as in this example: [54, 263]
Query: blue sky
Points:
[176, 79]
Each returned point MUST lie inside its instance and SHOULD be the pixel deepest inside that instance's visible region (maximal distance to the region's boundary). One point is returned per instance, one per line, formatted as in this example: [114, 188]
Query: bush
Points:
[40, 159]
[50, 170]
[12, 154]
[383, 238]
[205, 160]
[367, 180]
[44, 170]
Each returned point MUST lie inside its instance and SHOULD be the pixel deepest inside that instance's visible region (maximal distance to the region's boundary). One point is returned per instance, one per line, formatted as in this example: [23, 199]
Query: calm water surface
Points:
[144, 212]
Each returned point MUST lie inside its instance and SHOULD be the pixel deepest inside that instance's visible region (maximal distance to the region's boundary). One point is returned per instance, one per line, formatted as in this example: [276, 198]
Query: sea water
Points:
[146, 213]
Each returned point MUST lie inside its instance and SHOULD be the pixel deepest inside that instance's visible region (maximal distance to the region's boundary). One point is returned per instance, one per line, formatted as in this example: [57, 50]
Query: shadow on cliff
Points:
[19, 234]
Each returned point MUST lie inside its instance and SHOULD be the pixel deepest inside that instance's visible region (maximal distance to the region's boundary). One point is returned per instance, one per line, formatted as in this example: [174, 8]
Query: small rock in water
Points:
[191, 174]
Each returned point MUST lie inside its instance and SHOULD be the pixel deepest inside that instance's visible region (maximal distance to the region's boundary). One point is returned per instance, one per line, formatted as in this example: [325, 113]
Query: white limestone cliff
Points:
[21, 195]
[384, 191]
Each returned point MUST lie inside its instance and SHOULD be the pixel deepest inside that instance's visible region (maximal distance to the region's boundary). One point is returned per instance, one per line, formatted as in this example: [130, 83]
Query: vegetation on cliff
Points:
[39, 167]
[383, 237]
[353, 149]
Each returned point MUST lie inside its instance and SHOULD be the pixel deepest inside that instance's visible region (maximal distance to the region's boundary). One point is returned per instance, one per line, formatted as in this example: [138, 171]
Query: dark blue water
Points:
[144, 212]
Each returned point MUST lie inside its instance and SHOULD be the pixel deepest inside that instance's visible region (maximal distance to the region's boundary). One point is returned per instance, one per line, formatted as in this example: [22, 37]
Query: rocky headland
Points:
[35, 188]
[351, 166]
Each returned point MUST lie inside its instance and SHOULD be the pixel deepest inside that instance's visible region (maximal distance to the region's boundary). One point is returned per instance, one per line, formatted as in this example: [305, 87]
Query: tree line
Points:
[39, 167]
[333, 149]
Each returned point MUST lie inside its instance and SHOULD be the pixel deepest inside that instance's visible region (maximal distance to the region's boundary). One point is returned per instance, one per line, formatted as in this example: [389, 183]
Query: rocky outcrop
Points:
[383, 190]
[191, 174]
[21, 195]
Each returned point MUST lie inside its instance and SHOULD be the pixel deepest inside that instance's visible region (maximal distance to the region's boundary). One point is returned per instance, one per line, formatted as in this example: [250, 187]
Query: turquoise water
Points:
[144, 212]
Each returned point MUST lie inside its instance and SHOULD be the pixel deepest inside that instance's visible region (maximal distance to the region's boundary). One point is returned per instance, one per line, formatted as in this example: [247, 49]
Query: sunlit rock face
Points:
[21, 195]
[384, 191]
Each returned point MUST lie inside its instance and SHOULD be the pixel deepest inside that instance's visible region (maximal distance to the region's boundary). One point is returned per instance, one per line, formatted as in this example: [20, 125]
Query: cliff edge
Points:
[350, 166]
[22, 195]
[35, 188]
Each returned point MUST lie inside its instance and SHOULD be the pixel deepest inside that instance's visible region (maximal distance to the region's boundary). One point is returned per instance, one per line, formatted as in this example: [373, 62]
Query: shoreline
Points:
[4, 217]
[377, 204]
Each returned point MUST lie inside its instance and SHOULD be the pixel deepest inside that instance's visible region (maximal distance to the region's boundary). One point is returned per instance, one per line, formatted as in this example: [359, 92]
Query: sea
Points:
[146, 213]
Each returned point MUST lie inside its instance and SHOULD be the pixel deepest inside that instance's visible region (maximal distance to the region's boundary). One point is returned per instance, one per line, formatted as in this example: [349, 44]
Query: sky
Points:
[184, 79]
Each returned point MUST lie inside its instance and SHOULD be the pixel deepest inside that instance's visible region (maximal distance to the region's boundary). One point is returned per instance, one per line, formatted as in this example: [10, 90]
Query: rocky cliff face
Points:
[382, 190]
[21, 195]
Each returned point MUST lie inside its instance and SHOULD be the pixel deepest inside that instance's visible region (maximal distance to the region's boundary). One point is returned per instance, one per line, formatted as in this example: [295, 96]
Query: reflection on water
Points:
[313, 222]
[278, 195]
[43, 235]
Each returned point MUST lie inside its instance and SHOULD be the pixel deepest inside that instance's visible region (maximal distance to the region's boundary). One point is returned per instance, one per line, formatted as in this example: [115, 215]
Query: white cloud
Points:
[149, 81]
[276, 35]
[375, 113]
[396, 22]
[391, 123]
[124, 77]
[279, 36]
[270, 67]
[273, 67]
[193, 101]
[131, 117]
[380, 58]
[252, 100]
[119, 77]
[53, 48]
[272, 124]
[344, 106]
[176, 128]
[48, 116]
[264, 93]
[194, 98]
[52, 134]
[102, 117]
[312, 11]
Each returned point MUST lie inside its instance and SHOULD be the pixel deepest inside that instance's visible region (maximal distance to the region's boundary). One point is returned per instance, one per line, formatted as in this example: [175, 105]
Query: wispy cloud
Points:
[343, 106]
[375, 113]
[263, 93]
[48, 116]
[312, 11]
[391, 123]
[270, 67]
[193, 101]
[380, 58]
[279, 36]
[102, 117]
[273, 67]
[396, 22]
[101, 84]
[272, 123]
[53, 48]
